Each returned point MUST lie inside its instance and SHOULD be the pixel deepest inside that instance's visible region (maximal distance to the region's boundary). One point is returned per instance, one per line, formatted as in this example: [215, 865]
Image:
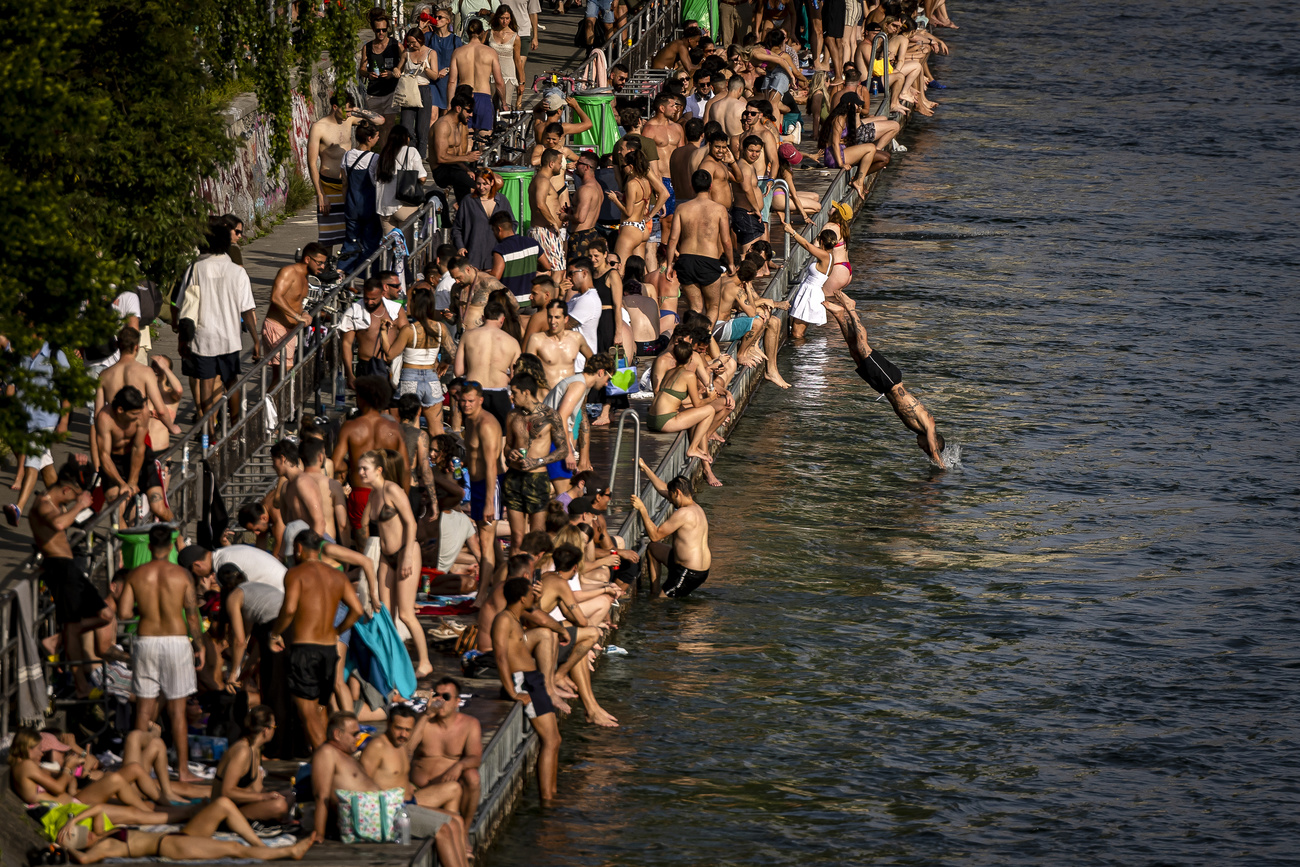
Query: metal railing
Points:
[883, 41]
[618, 447]
[267, 407]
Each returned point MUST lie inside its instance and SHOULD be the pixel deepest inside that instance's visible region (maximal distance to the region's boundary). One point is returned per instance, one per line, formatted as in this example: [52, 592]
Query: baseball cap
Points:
[50, 742]
[553, 100]
[581, 506]
[190, 555]
[789, 154]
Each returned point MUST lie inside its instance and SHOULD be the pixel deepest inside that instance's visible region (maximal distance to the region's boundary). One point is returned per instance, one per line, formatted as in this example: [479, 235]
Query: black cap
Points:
[190, 555]
[581, 506]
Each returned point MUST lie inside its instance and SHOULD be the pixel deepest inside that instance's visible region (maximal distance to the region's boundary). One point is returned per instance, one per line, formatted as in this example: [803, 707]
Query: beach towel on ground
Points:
[379, 655]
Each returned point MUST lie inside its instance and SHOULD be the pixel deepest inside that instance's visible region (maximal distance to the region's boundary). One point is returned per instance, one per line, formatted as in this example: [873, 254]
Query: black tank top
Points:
[386, 61]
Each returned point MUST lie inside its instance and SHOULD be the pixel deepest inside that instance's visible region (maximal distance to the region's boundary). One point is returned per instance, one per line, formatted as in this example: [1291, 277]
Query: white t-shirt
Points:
[519, 10]
[585, 308]
[695, 105]
[386, 204]
[442, 292]
[355, 318]
[258, 565]
[455, 529]
[128, 304]
[225, 293]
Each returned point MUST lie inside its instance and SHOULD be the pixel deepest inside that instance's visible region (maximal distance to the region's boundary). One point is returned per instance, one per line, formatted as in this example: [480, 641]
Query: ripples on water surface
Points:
[1081, 646]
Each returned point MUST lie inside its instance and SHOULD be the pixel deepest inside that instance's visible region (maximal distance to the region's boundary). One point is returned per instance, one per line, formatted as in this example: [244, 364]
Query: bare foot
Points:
[704, 457]
[566, 684]
[772, 376]
[17, 485]
[424, 671]
[860, 185]
[716, 438]
[604, 718]
[561, 705]
[602, 419]
[714, 481]
[183, 775]
[300, 848]
[564, 693]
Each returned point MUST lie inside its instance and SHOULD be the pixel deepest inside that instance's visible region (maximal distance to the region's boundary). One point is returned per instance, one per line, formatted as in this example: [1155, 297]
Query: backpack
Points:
[151, 302]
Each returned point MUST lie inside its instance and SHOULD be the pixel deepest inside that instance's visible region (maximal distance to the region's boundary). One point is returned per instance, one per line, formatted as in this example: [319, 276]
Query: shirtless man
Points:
[302, 499]
[727, 110]
[313, 595]
[482, 434]
[78, 608]
[125, 458]
[753, 122]
[128, 371]
[387, 759]
[333, 499]
[542, 293]
[534, 438]
[699, 248]
[688, 559]
[522, 682]
[668, 135]
[368, 431]
[686, 159]
[329, 140]
[548, 221]
[366, 324]
[168, 647]
[586, 209]
[717, 164]
[747, 201]
[449, 157]
[171, 389]
[559, 346]
[478, 285]
[479, 66]
[880, 373]
[485, 355]
[678, 52]
[334, 769]
[450, 748]
[556, 596]
[285, 312]
[287, 465]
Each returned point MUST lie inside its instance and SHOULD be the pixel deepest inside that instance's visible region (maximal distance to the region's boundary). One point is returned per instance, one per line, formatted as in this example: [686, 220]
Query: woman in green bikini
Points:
[668, 415]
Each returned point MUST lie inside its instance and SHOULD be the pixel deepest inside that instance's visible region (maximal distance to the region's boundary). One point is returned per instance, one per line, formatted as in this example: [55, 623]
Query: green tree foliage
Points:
[108, 133]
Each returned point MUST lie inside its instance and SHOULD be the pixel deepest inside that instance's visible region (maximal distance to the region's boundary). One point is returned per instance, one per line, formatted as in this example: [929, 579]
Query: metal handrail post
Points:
[618, 447]
[880, 39]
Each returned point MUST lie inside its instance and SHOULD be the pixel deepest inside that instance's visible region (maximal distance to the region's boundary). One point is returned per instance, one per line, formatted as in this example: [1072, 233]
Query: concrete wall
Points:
[249, 186]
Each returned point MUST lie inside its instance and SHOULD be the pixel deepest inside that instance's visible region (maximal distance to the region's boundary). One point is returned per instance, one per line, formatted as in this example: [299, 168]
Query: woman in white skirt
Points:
[806, 303]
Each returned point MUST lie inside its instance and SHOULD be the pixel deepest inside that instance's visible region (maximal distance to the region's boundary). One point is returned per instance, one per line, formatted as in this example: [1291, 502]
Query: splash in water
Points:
[951, 455]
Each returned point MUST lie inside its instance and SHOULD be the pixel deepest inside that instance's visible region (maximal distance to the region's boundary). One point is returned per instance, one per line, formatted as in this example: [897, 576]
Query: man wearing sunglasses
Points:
[449, 749]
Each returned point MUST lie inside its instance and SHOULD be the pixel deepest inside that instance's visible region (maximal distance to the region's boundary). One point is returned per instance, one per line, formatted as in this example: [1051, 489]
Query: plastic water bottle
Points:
[401, 827]
[205, 443]
[458, 473]
[340, 390]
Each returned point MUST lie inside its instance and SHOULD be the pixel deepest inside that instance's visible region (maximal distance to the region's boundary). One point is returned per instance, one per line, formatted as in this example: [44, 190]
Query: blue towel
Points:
[379, 656]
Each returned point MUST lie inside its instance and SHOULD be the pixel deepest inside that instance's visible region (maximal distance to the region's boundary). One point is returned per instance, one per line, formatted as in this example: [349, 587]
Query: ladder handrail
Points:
[618, 445]
[880, 37]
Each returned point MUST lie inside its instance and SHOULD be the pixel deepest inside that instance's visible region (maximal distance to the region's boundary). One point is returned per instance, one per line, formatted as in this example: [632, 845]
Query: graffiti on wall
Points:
[251, 186]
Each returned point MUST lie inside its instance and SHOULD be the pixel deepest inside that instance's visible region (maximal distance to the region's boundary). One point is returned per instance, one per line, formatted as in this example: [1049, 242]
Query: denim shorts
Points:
[778, 80]
[422, 383]
[602, 9]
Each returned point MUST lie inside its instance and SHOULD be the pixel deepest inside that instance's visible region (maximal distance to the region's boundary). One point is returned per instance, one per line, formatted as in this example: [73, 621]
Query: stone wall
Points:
[249, 187]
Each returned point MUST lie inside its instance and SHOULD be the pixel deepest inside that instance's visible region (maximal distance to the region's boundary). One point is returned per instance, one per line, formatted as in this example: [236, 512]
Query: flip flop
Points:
[13, 514]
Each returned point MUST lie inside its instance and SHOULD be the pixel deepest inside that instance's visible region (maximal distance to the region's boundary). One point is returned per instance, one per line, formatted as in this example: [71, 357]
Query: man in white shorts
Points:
[165, 655]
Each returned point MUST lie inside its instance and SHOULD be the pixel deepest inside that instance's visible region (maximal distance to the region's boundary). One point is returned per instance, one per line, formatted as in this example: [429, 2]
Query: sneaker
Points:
[897, 148]
[13, 514]
[266, 829]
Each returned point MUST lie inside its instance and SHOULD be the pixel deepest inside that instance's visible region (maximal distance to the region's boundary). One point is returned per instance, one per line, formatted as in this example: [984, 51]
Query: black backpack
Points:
[151, 302]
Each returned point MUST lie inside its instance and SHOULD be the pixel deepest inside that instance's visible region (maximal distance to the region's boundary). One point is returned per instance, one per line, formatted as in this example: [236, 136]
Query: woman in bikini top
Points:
[667, 414]
[634, 202]
[399, 561]
[246, 754]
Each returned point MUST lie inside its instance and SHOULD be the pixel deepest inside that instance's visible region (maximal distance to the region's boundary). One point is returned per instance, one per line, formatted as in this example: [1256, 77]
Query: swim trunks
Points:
[357, 500]
[163, 664]
[149, 477]
[746, 225]
[698, 270]
[484, 117]
[671, 204]
[311, 671]
[526, 492]
[567, 649]
[552, 244]
[733, 329]
[272, 333]
[879, 372]
[478, 499]
[680, 581]
[557, 469]
[75, 598]
[580, 240]
[534, 684]
[497, 402]
[652, 347]
[330, 228]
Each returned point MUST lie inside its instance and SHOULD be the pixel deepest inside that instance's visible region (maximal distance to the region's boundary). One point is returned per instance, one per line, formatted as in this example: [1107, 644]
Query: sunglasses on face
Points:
[381, 29]
[445, 696]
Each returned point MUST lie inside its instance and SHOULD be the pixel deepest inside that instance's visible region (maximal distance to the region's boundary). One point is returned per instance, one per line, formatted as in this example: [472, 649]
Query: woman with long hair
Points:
[513, 325]
[419, 342]
[471, 231]
[806, 302]
[239, 774]
[845, 142]
[668, 413]
[634, 202]
[504, 40]
[399, 561]
[397, 156]
[420, 64]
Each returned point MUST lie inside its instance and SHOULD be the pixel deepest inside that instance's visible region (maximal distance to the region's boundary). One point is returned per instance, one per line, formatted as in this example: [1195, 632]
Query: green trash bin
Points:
[517, 179]
[135, 545]
[598, 103]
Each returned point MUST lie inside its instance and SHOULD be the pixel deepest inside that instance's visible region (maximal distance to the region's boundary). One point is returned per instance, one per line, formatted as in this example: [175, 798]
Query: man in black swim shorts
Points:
[699, 245]
[686, 561]
[881, 374]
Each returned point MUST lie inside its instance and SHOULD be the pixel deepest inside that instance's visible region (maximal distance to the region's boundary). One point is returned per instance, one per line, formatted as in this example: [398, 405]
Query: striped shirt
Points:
[520, 254]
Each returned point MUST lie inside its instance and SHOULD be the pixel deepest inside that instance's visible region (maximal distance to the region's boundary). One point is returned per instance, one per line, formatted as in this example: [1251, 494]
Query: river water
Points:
[1080, 646]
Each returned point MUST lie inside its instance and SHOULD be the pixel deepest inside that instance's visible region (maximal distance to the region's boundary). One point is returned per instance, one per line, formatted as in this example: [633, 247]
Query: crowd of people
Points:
[463, 472]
